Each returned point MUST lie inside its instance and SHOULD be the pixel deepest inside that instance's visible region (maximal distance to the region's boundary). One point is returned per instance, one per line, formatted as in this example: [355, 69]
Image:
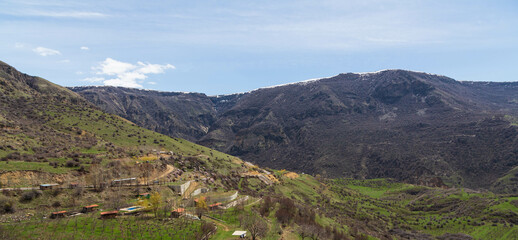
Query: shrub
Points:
[78, 191]
[56, 192]
[96, 160]
[12, 156]
[286, 210]
[6, 205]
[56, 204]
[266, 206]
[71, 163]
[30, 195]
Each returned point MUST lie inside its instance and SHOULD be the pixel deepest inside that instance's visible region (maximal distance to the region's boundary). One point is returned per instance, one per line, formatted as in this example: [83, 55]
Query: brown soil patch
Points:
[32, 178]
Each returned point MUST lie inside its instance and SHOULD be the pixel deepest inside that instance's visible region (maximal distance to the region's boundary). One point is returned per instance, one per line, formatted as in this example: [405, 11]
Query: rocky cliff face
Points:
[412, 126]
[185, 115]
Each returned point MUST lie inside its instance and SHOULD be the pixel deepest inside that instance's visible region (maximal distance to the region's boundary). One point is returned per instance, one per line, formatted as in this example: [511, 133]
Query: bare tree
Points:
[255, 225]
[206, 229]
[97, 177]
[167, 207]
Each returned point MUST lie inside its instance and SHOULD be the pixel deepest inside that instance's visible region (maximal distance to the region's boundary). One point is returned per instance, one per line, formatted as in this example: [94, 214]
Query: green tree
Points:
[201, 207]
[155, 201]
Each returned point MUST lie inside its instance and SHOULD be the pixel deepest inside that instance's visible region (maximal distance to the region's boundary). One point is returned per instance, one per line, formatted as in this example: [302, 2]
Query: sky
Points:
[223, 47]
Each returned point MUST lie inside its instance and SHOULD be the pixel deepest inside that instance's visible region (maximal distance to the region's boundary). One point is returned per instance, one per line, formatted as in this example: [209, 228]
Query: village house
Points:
[124, 181]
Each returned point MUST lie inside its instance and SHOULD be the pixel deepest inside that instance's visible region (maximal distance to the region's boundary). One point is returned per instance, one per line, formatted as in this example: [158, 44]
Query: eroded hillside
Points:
[411, 126]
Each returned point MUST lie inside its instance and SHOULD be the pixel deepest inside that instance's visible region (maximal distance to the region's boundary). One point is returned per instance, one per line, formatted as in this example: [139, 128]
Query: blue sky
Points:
[221, 47]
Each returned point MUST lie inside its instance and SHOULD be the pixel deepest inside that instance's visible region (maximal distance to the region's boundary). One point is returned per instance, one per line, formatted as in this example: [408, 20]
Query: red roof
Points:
[60, 212]
[109, 212]
[179, 210]
[92, 206]
[143, 194]
[215, 204]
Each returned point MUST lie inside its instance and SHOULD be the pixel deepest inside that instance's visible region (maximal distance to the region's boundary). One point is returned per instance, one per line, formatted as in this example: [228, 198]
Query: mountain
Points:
[51, 133]
[410, 126]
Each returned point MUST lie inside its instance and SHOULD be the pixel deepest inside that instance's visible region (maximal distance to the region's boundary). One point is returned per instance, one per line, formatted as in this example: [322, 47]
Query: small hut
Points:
[109, 214]
[48, 186]
[177, 212]
[241, 234]
[59, 214]
[89, 208]
[215, 206]
[124, 181]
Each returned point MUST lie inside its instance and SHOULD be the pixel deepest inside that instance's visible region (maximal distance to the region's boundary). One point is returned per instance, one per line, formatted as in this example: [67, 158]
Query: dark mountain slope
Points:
[406, 125]
[411, 126]
[185, 115]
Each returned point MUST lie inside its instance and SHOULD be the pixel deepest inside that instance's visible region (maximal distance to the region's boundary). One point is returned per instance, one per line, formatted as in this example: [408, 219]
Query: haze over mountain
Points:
[411, 126]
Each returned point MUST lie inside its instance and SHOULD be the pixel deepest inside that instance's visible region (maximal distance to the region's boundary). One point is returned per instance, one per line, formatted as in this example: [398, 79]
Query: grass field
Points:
[91, 227]
[33, 166]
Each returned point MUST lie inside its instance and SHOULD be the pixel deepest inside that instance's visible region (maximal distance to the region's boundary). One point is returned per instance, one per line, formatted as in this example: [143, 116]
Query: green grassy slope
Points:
[41, 122]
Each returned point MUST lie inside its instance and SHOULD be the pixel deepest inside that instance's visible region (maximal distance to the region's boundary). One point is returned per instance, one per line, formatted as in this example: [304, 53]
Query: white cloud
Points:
[65, 61]
[46, 51]
[19, 45]
[127, 74]
[154, 68]
[113, 67]
[152, 83]
[84, 48]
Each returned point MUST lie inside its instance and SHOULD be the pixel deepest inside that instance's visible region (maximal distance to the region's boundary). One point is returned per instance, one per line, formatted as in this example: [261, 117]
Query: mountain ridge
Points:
[357, 125]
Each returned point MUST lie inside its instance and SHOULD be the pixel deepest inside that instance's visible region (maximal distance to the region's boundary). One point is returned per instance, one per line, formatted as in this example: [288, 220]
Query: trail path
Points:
[224, 226]
[255, 202]
[169, 169]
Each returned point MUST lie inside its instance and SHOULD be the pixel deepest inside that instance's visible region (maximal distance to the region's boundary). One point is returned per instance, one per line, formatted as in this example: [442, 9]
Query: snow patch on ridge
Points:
[302, 83]
[305, 82]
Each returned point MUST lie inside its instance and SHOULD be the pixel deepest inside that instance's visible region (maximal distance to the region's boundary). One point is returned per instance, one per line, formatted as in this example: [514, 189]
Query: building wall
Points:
[181, 188]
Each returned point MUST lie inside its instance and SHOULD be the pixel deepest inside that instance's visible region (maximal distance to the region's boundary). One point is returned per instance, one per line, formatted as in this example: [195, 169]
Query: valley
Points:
[69, 170]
